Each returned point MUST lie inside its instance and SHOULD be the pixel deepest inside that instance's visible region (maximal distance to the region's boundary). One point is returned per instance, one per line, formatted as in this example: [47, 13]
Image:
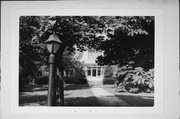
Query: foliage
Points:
[122, 39]
[79, 31]
[78, 77]
[42, 80]
[129, 39]
[31, 55]
[74, 80]
[70, 61]
[137, 80]
[108, 81]
[108, 73]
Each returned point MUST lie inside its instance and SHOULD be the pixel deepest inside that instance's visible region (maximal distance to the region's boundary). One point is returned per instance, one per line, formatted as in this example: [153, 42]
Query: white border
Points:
[167, 59]
[157, 108]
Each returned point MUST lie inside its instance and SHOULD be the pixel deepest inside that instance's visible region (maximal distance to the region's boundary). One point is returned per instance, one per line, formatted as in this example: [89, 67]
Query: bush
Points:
[22, 82]
[82, 80]
[42, 80]
[69, 80]
[109, 81]
[137, 80]
[108, 73]
[78, 77]
[75, 80]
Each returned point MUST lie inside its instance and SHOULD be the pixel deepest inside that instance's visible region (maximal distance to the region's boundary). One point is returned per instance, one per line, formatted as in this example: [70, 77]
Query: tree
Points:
[128, 39]
[122, 39]
[73, 31]
[31, 55]
[76, 32]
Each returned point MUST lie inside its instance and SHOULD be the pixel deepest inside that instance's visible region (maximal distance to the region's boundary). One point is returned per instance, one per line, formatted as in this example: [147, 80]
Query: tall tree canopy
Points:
[129, 39]
[121, 38]
[75, 32]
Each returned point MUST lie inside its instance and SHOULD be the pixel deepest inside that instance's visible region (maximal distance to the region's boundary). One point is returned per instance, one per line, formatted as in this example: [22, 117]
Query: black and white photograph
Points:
[86, 61]
[94, 59]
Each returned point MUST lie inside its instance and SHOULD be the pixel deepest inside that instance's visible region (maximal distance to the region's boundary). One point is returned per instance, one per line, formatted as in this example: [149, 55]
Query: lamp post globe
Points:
[53, 43]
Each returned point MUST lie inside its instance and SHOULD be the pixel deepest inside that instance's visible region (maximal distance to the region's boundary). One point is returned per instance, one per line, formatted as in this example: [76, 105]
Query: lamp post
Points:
[53, 43]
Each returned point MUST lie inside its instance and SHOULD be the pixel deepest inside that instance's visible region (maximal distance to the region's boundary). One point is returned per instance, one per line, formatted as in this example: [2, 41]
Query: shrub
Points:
[82, 80]
[22, 82]
[75, 80]
[137, 80]
[78, 77]
[108, 73]
[108, 81]
[69, 80]
[42, 80]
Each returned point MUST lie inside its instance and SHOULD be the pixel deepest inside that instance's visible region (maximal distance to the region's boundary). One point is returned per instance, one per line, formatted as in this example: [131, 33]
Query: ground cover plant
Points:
[135, 80]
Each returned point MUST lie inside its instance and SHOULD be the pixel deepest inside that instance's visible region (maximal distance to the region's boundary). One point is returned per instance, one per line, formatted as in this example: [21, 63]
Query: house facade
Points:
[92, 70]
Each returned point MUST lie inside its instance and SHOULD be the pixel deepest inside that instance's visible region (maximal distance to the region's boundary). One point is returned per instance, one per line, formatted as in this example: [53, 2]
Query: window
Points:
[89, 71]
[94, 72]
[99, 71]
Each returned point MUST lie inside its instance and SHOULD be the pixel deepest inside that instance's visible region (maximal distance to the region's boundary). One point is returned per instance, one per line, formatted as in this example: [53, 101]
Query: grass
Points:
[33, 95]
[75, 95]
[79, 95]
[141, 99]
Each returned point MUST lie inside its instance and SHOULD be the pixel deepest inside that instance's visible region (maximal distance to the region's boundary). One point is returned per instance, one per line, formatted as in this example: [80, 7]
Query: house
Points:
[92, 70]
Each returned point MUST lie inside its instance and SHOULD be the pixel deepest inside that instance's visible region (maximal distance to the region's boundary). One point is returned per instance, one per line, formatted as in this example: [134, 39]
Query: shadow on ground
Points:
[36, 95]
[139, 100]
[37, 100]
[80, 95]
[32, 88]
[81, 101]
[134, 100]
[76, 86]
[33, 95]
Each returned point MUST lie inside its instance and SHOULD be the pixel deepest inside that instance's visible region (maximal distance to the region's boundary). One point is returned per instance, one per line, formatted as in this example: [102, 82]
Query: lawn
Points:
[80, 95]
[33, 95]
[75, 95]
[140, 99]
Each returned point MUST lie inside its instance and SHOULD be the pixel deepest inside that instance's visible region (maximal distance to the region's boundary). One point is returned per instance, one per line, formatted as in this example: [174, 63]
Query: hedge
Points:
[109, 81]
[42, 80]
[75, 80]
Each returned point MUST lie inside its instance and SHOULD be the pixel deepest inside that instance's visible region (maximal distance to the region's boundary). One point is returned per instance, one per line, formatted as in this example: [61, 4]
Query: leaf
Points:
[136, 78]
[139, 81]
[150, 85]
[142, 81]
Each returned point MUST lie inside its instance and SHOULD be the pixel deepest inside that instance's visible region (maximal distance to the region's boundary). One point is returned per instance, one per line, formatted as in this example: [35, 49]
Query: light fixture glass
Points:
[53, 44]
[50, 47]
[55, 47]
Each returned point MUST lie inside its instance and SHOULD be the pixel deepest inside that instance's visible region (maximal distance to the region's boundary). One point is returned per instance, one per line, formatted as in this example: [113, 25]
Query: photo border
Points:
[158, 95]
[16, 12]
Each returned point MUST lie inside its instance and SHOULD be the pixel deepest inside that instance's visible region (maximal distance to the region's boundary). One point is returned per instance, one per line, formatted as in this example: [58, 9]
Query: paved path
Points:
[105, 98]
[80, 97]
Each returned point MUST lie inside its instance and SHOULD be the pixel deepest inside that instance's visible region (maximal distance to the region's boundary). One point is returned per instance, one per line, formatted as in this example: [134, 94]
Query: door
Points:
[94, 72]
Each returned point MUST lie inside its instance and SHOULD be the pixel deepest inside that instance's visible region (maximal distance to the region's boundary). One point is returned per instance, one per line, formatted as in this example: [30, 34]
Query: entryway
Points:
[95, 83]
[95, 73]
